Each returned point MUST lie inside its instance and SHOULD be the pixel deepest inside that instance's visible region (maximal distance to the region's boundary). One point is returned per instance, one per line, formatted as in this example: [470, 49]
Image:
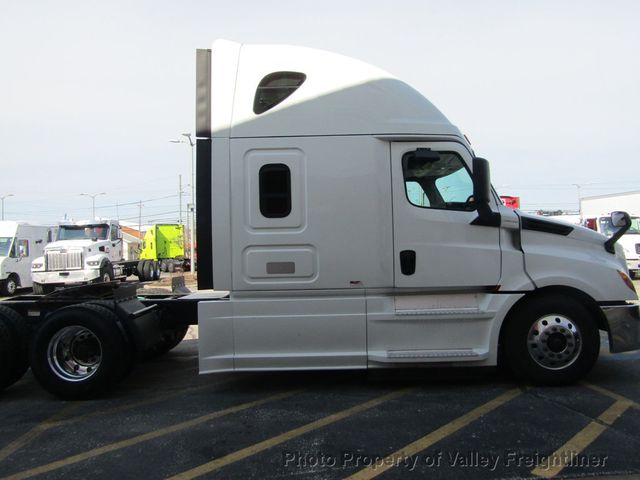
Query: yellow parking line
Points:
[63, 418]
[610, 394]
[563, 456]
[144, 437]
[140, 403]
[283, 437]
[441, 433]
[35, 431]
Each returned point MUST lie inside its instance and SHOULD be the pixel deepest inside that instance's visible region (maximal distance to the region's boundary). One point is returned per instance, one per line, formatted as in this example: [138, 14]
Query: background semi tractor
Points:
[164, 243]
[92, 252]
[20, 243]
[353, 227]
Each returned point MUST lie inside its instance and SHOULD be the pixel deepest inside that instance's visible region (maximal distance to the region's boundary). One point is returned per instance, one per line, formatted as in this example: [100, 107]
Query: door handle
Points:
[408, 262]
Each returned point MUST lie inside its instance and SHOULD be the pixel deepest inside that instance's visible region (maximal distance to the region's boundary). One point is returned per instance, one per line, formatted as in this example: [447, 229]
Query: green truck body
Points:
[163, 242]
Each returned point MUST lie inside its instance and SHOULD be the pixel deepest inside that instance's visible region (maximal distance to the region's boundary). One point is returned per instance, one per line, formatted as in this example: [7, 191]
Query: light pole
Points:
[93, 200]
[191, 210]
[3, 197]
[579, 186]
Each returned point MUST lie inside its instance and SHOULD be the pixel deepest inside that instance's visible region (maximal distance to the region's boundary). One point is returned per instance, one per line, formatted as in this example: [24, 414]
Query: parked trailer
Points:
[354, 228]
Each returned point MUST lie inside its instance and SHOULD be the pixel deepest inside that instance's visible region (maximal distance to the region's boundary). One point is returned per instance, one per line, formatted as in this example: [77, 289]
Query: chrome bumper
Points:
[624, 327]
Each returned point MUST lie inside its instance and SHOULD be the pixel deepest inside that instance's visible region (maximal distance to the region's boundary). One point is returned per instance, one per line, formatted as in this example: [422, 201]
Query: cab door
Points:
[435, 243]
[21, 257]
[116, 253]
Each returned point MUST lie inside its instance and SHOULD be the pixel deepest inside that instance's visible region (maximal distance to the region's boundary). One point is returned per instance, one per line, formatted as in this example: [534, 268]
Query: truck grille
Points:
[64, 260]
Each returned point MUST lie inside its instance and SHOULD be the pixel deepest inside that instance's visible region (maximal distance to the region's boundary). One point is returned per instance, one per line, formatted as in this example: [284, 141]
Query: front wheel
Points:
[9, 286]
[551, 340]
[106, 273]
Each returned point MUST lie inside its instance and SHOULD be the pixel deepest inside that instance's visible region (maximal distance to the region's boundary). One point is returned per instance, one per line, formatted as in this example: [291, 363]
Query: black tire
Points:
[130, 351]
[163, 266]
[147, 270]
[14, 343]
[551, 340]
[80, 352]
[9, 287]
[37, 288]
[106, 273]
[7, 356]
[171, 338]
[156, 271]
[171, 267]
[140, 270]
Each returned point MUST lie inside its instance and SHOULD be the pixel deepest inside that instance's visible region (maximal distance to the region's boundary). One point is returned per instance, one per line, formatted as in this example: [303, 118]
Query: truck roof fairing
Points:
[339, 96]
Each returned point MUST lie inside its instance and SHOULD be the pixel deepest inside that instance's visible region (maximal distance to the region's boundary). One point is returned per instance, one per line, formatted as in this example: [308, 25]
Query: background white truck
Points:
[355, 228]
[87, 252]
[20, 243]
[596, 215]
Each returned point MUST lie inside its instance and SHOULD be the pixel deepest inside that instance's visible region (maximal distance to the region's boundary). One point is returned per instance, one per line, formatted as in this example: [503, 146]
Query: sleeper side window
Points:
[274, 88]
[275, 190]
[437, 180]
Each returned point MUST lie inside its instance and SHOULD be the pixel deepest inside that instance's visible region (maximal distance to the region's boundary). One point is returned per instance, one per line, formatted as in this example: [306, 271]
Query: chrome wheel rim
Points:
[74, 353]
[554, 342]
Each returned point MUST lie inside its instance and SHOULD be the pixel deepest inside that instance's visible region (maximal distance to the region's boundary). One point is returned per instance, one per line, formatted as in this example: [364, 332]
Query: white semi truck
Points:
[354, 227]
[87, 252]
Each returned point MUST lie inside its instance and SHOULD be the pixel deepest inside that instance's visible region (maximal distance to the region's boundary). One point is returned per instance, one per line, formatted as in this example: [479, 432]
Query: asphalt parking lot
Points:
[165, 421]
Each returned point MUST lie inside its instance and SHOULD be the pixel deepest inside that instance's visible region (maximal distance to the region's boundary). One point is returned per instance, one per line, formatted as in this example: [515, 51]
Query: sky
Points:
[91, 93]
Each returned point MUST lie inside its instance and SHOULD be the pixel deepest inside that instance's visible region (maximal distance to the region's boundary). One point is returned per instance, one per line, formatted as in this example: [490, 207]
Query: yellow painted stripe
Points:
[610, 394]
[63, 417]
[283, 437]
[43, 426]
[81, 457]
[435, 436]
[139, 403]
[559, 459]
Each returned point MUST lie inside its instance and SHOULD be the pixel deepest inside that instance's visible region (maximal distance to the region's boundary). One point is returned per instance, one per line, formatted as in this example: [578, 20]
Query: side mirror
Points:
[481, 181]
[620, 220]
[482, 194]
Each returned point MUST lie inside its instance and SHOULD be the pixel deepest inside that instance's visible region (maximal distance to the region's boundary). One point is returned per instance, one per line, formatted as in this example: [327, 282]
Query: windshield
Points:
[5, 246]
[78, 232]
[608, 229]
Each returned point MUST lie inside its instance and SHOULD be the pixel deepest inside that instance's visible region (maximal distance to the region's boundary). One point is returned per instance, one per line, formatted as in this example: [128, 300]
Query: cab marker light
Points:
[625, 278]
